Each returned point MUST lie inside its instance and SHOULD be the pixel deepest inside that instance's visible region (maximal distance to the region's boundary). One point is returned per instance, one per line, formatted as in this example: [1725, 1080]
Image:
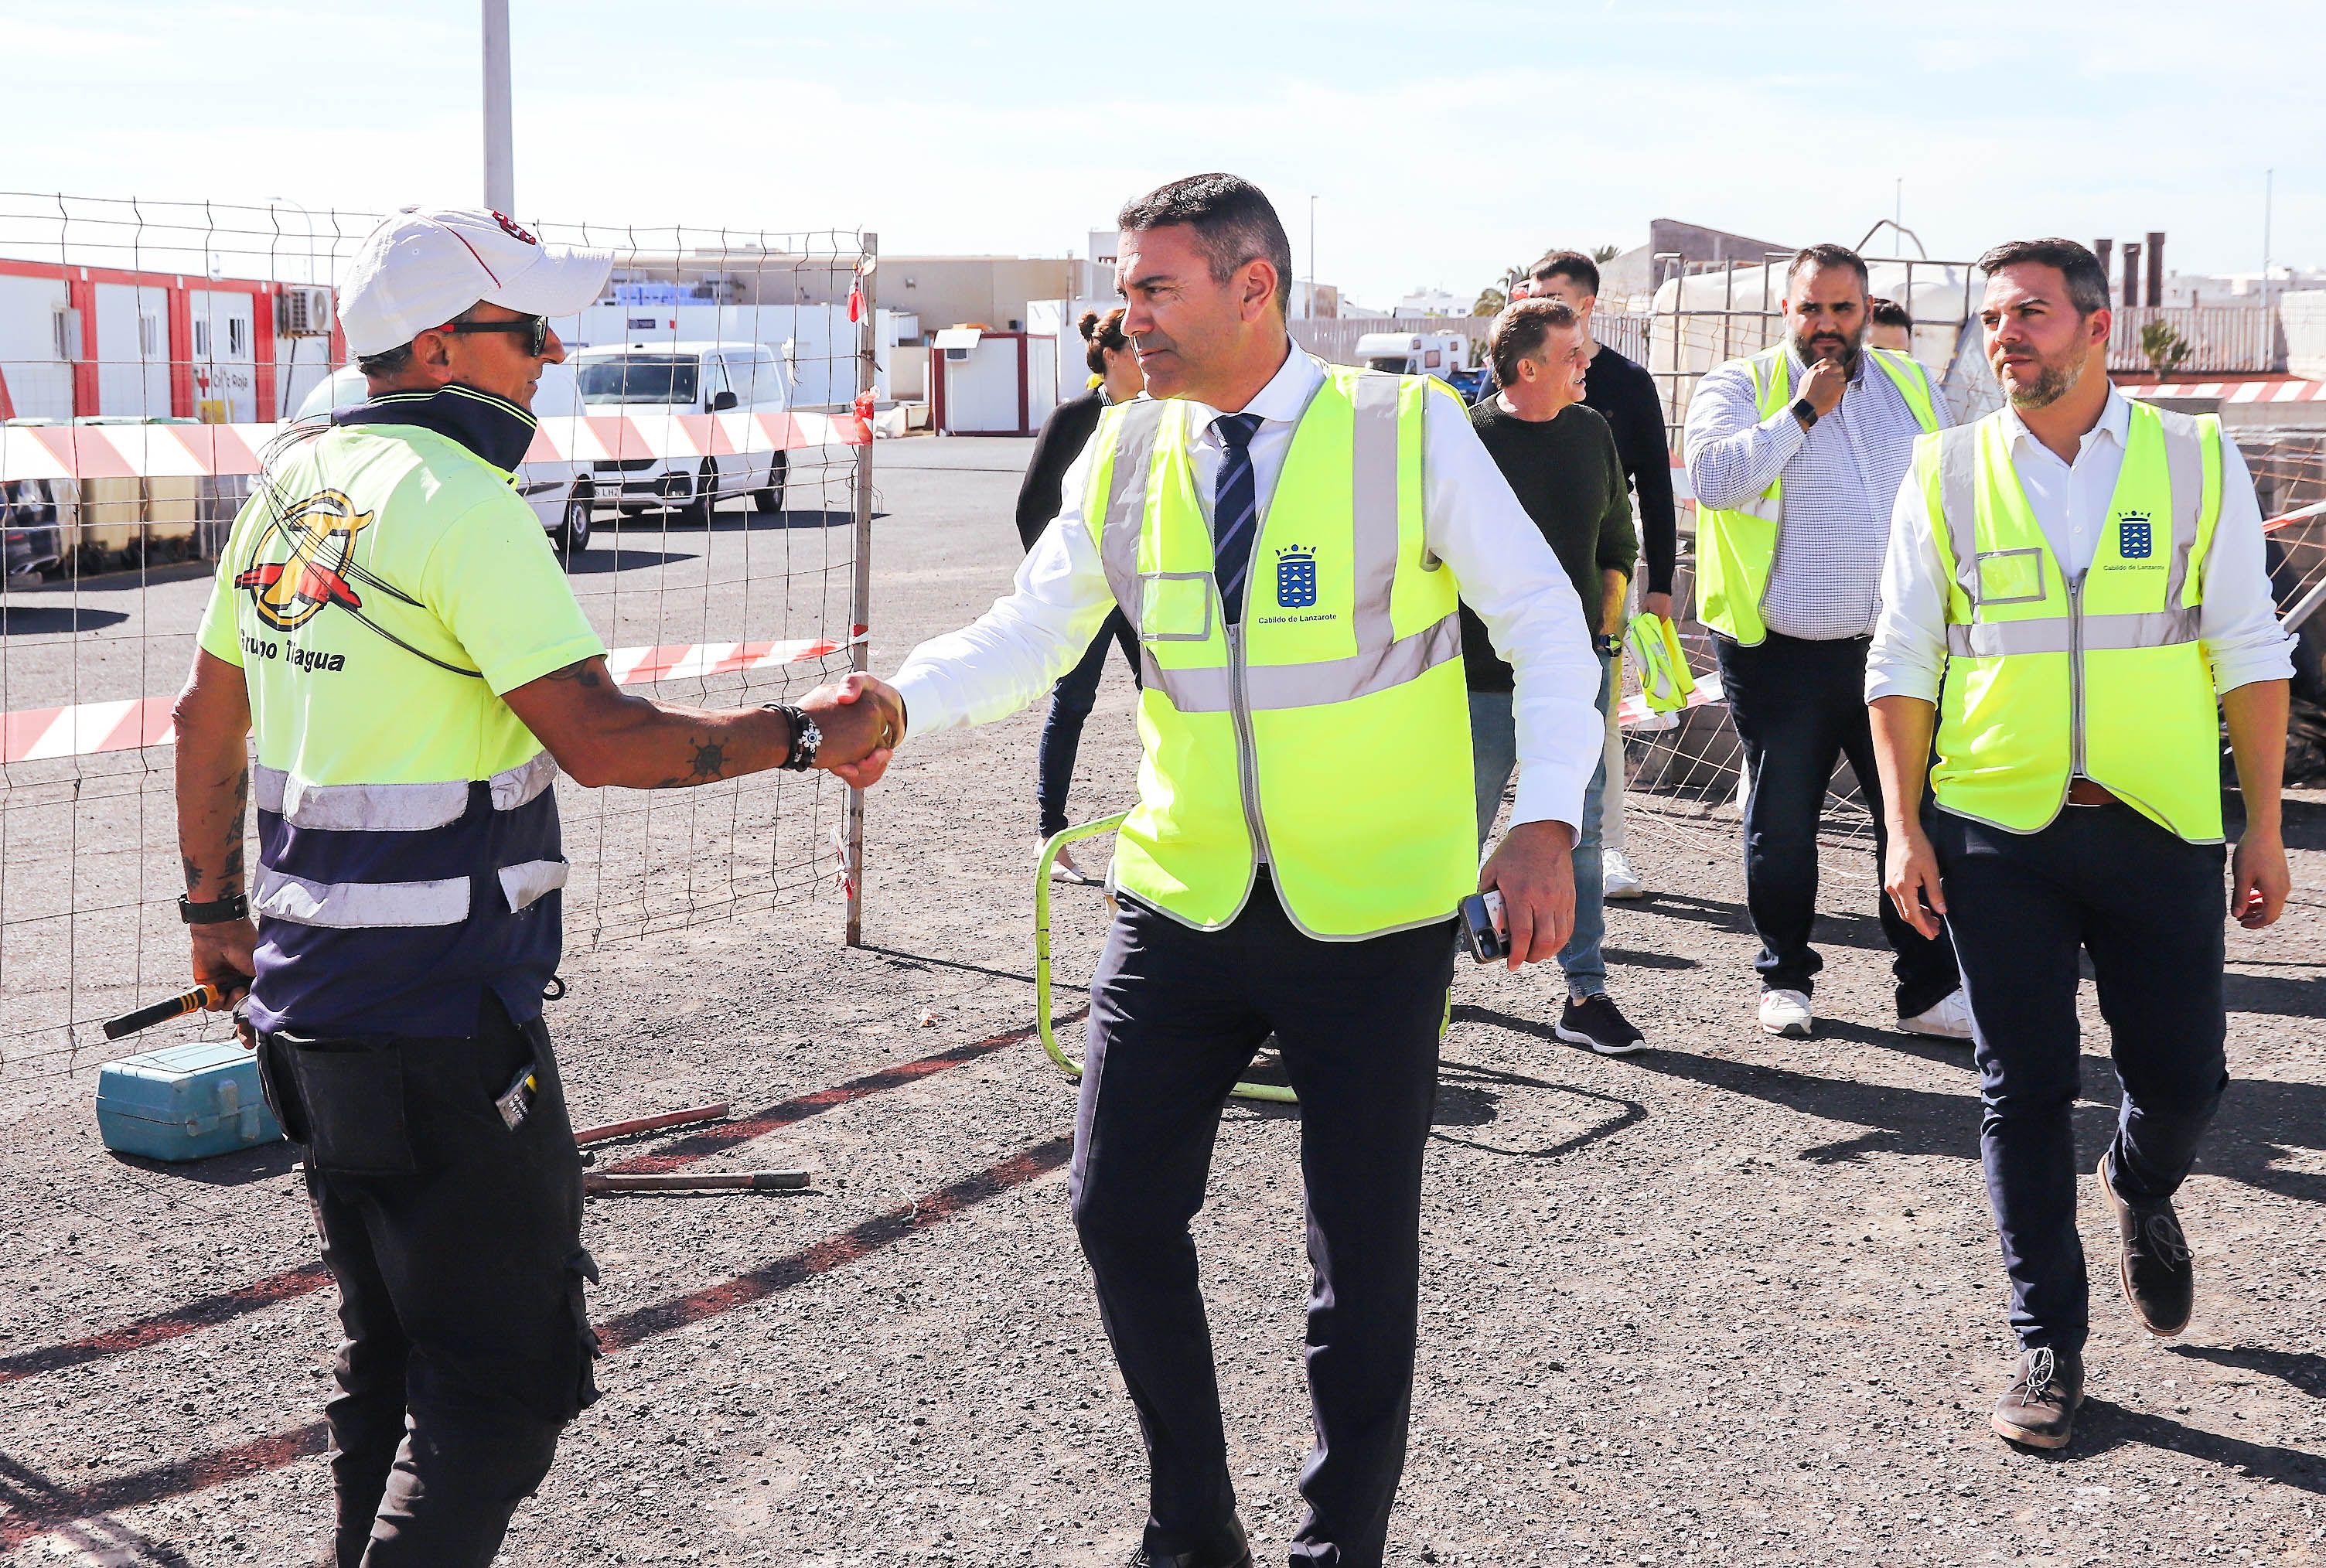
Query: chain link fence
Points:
[703, 469]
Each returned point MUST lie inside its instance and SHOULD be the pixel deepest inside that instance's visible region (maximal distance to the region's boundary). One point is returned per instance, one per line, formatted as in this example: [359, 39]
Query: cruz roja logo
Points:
[1296, 577]
[2134, 540]
[321, 533]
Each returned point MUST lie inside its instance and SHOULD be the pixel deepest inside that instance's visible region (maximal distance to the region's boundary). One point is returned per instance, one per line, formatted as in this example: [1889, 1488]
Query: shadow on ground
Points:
[37, 620]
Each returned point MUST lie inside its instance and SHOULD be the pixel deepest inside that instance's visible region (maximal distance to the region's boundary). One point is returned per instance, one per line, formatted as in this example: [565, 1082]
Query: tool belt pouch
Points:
[349, 1111]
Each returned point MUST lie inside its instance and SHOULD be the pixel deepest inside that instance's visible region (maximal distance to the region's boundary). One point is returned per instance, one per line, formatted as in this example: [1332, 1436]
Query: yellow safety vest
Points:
[2048, 678]
[1328, 731]
[1666, 682]
[1737, 547]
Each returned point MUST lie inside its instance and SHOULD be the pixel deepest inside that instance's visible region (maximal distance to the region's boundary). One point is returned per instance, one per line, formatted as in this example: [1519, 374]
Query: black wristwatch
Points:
[218, 911]
[1805, 411]
[806, 738]
[1608, 645]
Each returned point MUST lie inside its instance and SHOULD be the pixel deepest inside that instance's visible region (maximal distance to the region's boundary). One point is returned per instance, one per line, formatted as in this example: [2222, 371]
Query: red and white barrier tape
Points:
[84, 729]
[2291, 391]
[159, 451]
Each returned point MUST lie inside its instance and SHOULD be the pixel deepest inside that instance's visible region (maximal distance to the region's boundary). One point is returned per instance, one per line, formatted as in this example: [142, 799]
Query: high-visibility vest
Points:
[1666, 682]
[2048, 678]
[1736, 546]
[409, 851]
[1329, 730]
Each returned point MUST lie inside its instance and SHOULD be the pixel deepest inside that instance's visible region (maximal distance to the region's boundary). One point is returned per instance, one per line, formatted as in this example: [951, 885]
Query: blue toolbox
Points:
[186, 1102]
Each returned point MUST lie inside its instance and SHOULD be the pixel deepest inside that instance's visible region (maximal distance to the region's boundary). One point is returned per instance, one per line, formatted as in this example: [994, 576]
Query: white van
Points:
[558, 492]
[1439, 354]
[685, 378]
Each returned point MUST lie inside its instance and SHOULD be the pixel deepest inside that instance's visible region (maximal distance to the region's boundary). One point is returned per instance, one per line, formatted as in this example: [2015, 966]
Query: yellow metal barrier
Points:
[1068, 1064]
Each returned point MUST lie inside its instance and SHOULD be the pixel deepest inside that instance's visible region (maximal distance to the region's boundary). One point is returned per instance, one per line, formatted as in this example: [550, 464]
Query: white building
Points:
[1433, 303]
[2237, 288]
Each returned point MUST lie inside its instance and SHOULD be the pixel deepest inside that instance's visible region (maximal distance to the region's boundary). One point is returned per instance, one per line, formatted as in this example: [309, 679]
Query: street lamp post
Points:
[501, 166]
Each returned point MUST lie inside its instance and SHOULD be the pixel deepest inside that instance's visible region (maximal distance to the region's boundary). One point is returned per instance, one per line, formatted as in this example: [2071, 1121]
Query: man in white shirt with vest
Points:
[1795, 455]
[1288, 538]
[2072, 584]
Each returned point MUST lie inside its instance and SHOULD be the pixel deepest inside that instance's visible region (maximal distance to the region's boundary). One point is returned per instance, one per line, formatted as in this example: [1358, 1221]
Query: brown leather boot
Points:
[2039, 1409]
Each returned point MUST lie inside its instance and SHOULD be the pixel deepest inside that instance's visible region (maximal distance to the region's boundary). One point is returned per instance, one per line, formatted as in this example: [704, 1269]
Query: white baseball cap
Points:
[424, 266]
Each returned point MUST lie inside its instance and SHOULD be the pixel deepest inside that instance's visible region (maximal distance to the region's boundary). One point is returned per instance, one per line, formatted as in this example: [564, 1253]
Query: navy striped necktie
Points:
[1235, 510]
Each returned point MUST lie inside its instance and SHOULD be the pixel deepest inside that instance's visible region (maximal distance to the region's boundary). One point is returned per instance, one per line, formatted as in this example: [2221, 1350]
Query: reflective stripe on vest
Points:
[1736, 546]
[2101, 677]
[1326, 732]
[393, 808]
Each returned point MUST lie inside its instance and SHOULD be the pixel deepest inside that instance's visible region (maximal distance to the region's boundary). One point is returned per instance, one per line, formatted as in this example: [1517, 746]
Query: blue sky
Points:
[1442, 139]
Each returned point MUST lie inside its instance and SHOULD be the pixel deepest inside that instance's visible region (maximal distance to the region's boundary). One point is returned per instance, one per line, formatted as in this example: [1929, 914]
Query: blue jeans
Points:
[1070, 704]
[1494, 755]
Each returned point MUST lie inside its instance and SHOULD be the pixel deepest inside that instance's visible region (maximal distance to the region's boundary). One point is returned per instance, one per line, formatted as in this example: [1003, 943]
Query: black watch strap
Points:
[215, 913]
[1805, 411]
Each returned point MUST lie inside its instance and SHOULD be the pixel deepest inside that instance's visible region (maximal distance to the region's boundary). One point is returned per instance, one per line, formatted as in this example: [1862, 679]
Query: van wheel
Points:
[706, 495]
[571, 537]
[770, 499]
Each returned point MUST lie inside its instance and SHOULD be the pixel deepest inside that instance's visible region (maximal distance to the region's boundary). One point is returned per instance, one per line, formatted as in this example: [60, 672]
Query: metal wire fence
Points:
[702, 467]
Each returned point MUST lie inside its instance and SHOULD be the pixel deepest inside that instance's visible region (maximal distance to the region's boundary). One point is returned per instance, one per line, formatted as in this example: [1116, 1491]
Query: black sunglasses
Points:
[535, 328]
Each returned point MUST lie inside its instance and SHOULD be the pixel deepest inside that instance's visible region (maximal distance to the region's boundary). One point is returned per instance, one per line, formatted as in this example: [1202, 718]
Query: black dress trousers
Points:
[1176, 1016]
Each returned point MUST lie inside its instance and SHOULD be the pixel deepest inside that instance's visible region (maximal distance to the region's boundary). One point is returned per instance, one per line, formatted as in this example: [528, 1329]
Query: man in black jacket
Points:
[1625, 397]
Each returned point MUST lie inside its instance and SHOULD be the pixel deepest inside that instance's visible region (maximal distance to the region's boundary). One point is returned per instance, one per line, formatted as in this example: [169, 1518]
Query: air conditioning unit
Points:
[303, 312]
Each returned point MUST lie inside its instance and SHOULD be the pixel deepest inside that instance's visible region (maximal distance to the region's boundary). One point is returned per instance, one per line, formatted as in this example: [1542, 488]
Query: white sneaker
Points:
[1949, 1020]
[1618, 876]
[1786, 1013]
[1063, 870]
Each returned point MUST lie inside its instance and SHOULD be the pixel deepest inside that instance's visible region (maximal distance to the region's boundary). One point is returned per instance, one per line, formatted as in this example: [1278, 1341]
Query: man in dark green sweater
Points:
[1561, 459]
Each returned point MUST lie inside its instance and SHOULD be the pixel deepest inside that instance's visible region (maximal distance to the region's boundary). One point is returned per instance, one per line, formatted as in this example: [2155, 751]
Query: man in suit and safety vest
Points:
[1795, 455]
[2075, 594]
[1292, 540]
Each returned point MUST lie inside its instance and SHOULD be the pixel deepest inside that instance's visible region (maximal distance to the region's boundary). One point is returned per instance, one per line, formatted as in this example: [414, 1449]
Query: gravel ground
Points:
[1732, 1301]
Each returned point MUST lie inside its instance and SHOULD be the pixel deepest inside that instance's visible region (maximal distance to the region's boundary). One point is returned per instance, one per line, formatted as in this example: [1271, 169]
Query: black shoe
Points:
[1236, 1554]
[2153, 1262]
[2039, 1409]
[1596, 1021]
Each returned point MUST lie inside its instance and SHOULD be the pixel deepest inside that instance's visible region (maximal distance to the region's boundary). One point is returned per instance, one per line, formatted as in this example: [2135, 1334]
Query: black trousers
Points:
[2148, 907]
[1176, 1016]
[456, 1244]
[1799, 708]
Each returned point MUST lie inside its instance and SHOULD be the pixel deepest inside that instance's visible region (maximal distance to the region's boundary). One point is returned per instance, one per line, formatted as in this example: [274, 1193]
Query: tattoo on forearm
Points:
[228, 881]
[582, 672]
[709, 763]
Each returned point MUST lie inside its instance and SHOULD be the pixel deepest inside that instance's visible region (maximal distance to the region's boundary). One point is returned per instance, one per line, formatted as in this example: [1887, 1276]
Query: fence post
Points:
[859, 612]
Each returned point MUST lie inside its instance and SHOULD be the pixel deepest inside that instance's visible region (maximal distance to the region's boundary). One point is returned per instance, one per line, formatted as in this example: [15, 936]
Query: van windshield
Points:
[1397, 362]
[668, 379]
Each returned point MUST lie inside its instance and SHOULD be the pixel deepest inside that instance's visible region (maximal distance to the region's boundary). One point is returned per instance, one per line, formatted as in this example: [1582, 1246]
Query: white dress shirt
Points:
[1015, 652]
[1841, 477]
[2237, 624]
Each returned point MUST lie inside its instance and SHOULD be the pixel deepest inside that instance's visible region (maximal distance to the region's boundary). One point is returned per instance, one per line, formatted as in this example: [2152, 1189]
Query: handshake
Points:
[862, 720]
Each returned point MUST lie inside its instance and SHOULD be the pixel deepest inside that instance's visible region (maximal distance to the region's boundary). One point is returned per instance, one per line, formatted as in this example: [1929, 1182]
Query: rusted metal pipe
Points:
[638, 1124]
[597, 1181]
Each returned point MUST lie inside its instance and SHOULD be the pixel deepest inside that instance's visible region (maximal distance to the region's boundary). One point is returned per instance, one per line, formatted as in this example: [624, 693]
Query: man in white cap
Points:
[390, 622]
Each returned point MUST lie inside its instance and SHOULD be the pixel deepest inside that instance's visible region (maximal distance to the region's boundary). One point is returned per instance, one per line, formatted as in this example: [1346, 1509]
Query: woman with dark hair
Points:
[1114, 377]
